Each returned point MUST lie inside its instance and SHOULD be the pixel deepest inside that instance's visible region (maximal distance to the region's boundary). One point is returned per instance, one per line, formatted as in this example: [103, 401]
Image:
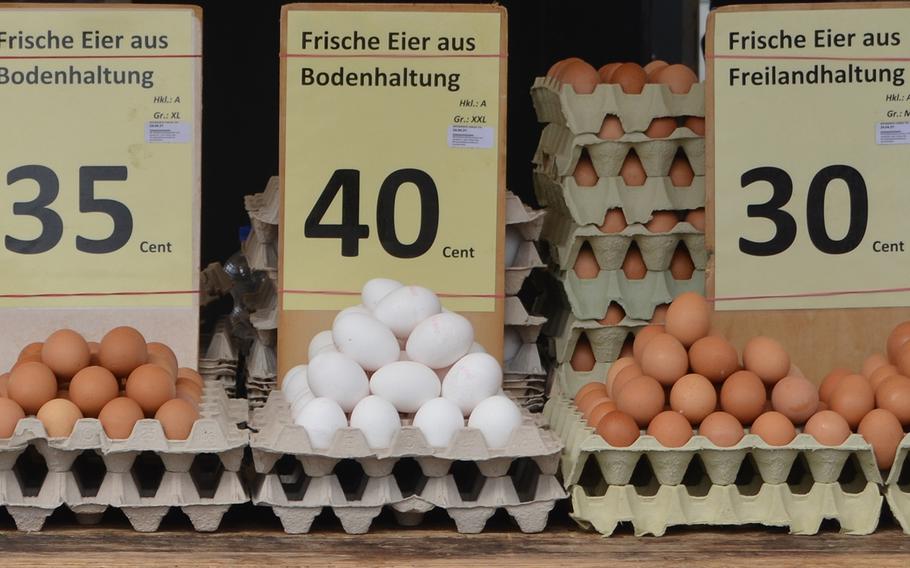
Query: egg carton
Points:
[527, 220]
[517, 316]
[590, 298]
[143, 508]
[800, 509]
[265, 206]
[589, 205]
[525, 362]
[530, 510]
[606, 340]
[261, 254]
[557, 103]
[261, 362]
[214, 283]
[276, 435]
[773, 464]
[526, 260]
[565, 239]
[566, 380]
[897, 487]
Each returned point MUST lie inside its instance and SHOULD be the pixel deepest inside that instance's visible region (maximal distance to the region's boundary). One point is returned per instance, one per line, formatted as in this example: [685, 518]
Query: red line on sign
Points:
[810, 294]
[353, 293]
[394, 55]
[90, 294]
[161, 56]
[810, 58]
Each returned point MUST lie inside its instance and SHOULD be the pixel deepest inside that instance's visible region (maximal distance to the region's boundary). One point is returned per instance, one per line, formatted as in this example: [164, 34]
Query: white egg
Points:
[474, 377]
[358, 309]
[513, 243]
[300, 402]
[440, 340]
[496, 418]
[406, 307]
[377, 419]
[406, 384]
[365, 340]
[511, 343]
[321, 342]
[321, 418]
[377, 289]
[477, 348]
[403, 356]
[295, 383]
[338, 377]
[439, 419]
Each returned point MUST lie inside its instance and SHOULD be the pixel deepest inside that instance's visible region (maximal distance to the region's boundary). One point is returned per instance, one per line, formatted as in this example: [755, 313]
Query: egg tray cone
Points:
[264, 206]
[557, 103]
[559, 150]
[205, 505]
[276, 435]
[897, 486]
[566, 238]
[527, 220]
[298, 499]
[589, 205]
[606, 340]
[589, 298]
[565, 379]
[801, 509]
[526, 260]
[517, 316]
[260, 254]
[774, 464]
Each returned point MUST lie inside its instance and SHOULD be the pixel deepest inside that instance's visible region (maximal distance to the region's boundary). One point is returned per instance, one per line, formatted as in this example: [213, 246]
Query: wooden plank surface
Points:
[253, 537]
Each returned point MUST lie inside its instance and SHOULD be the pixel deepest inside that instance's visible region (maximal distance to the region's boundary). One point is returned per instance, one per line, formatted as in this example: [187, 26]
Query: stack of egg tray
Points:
[467, 479]
[524, 377]
[574, 213]
[897, 485]
[144, 475]
[653, 487]
[221, 359]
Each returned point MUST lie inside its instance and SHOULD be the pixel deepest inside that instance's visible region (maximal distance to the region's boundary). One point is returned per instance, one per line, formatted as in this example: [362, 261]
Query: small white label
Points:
[168, 132]
[892, 133]
[470, 137]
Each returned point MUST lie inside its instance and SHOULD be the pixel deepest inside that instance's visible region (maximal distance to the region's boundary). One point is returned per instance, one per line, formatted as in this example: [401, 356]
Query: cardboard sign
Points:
[808, 112]
[100, 165]
[392, 160]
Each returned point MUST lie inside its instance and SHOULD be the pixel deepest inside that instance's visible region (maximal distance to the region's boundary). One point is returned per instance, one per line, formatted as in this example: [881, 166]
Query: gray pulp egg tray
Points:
[606, 340]
[567, 380]
[897, 485]
[559, 150]
[145, 474]
[560, 104]
[589, 205]
[528, 222]
[566, 238]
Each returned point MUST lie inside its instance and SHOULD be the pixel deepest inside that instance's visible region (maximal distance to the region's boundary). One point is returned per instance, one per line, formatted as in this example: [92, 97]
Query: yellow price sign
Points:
[392, 154]
[810, 115]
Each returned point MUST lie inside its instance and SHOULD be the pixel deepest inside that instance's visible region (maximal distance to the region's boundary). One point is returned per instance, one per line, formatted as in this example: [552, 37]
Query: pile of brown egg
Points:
[630, 77]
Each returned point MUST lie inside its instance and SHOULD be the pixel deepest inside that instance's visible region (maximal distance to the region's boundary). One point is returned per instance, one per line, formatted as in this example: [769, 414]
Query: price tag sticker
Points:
[809, 107]
[393, 152]
[99, 178]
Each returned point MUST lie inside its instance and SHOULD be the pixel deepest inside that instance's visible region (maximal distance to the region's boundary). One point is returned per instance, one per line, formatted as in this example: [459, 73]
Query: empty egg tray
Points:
[560, 104]
[897, 485]
[606, 340]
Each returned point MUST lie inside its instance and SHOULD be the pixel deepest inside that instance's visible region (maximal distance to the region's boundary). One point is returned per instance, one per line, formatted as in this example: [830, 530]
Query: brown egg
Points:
[119, 416]
[10, 415]
[580, 75]
[671, 429]
[630, 77]
[722, 429]
[660, 314]
[614, 222]
[632, 171]
[830, 382]
[190, 397]
[681, 173]
[4, 384]
[853, 398]
[614, 315]
[187, 373]
[743, 396]
[823, 406]
[645, 335]
[681, 265]
[714, 357]
[583, 357]
[587, 401]
[65, 352]
[591, 402]
[615, 368]
[606, 71]
[665, 359]
[177, 418]
[902, 360]
[92, 388]
[618, 429]
[873, 362]
[642, 398]
[678, 77]
[633, 266]
[161, 354]
[653, 67]
[893, 395]
[150, 386]
[626, 349]
[662, 222]
[122, 350]
[599, 410]
[767, 358]
[586, 266]
[622, 379]
[593, 386]
[696, 124]
[31, 385]
[896, 339]
[584, 174]
[611, 128]
[694, 397]
[26, 359]
[796, 398]
[661, 127]
[884, 433]
[878, 376]
[689, 318]
[828, 428]
[31, 350]
[774, 428]
[557, 67]
[93, 349]
[59, 417]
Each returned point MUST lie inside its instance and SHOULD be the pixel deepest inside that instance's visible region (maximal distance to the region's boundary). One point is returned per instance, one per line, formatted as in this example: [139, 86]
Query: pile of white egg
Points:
[399, 353]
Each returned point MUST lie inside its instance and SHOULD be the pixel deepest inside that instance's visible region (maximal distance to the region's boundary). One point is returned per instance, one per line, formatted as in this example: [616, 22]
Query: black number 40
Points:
[785, 224]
